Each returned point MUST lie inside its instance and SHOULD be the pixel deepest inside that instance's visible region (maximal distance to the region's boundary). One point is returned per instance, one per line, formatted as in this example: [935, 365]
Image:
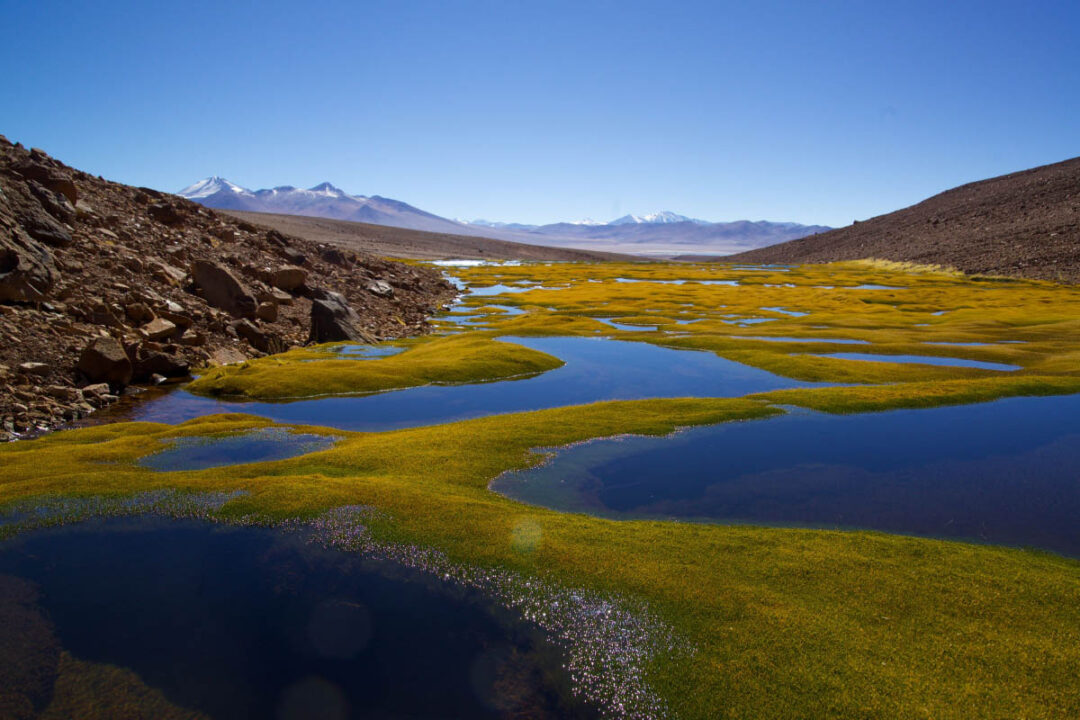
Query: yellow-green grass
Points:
[872, 398]
[315, 371]
[1031, 324]
[785, 622]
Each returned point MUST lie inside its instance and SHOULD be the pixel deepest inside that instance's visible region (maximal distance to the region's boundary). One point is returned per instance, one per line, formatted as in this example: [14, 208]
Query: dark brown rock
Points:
[337, 256]
[139, 313]
[221, 289]
[332, 320]
[288, 278]
[380, 288]
[165, 213]
[104, 361]
[54, 203]
[154, 362]
[35, 368]
[267, 312]
[158, 329]
[27, 270]
[262, 341]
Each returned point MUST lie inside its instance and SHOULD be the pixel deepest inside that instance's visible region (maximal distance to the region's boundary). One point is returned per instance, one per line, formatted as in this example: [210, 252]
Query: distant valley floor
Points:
[415, 244]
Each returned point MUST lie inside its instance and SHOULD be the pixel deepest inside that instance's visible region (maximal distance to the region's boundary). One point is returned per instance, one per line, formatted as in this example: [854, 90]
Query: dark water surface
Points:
[1004, 472]
[266, 444]
[596, 369]
[924, 360]
[255, 623]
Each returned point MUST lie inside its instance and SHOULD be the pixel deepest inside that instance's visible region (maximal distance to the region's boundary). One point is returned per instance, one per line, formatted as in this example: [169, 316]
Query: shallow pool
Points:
[923, 360]
[596, 369]
[262, 445]
[250, 622]
[1000, 472]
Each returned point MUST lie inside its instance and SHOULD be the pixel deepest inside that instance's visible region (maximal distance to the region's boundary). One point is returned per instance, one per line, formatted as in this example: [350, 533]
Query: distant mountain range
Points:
[661, 233]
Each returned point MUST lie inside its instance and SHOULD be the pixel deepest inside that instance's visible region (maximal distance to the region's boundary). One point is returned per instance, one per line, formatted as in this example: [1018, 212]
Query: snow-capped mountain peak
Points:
[328, 189]
[663, 217]
[211, 186]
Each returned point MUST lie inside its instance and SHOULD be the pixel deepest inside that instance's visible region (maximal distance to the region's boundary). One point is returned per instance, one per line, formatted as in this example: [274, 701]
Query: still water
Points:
[263, 445]
[1002, 472]
[255, 623]
[596, 369]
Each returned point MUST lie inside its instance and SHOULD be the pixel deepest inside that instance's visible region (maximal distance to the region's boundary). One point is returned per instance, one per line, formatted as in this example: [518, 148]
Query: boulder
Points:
[380, 288]
[192, 338]
[258, 339]
[104, 361]
[54, 203]
[221, 289]
[332, 320]
[138, 312]
[167, 273]
[227, 356]
[336, 256]
[63, 392]
[96, 390]
[288, 278]
[267, 312]
[65, 186]
[153, 362]
[158, 329]
[275, 296]
[165, 213]
[27, 269]
[40, 225]
[35, 368]
[176, 318]
[292, 255]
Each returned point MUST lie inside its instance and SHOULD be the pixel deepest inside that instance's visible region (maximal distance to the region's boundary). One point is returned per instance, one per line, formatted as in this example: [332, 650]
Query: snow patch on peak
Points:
[328, 189]
[211, 186]
[657, 218]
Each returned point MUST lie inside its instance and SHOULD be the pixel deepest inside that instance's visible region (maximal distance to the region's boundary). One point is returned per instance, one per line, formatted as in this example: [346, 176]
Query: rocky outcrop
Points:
[221, 289]
[103, 285]
[104, 360]
[27, 270]
[332, 320]
[289, 278]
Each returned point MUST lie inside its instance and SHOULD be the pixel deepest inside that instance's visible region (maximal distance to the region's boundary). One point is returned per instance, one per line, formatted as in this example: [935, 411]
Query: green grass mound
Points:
[314, 371]
[784, 622]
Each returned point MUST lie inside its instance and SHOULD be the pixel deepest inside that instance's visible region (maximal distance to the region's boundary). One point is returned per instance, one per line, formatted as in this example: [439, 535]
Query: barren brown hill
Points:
[415, 244]
[103, 285]
[1025, 224]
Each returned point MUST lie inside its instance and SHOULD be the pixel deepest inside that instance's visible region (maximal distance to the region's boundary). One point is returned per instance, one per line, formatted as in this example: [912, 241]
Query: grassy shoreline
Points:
[785, 622]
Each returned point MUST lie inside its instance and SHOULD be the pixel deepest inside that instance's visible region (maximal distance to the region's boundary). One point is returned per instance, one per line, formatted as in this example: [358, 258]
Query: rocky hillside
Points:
[104, 285]
[1025, 224]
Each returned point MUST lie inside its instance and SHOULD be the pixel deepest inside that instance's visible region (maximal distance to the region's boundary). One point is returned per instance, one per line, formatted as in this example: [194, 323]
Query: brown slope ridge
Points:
[415, 244]
[1025, 224]
[103, 285]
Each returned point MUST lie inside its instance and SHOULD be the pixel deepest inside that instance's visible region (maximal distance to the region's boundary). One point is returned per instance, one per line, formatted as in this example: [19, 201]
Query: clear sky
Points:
[816, 112]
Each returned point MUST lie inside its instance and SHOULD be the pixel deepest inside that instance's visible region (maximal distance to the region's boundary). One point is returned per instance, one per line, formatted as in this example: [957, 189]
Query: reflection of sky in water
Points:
[839, 341]
[596, 369]
[199, 453]
[1001, 472]
[626, 326]
[251, 622]
[923, 360]
[785, 311]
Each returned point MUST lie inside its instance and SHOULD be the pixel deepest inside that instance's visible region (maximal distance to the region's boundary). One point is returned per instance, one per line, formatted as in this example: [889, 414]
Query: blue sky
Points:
[817, 112]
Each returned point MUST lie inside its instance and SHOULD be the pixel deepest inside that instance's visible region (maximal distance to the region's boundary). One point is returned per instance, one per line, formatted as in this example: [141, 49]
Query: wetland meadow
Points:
[618, 490]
